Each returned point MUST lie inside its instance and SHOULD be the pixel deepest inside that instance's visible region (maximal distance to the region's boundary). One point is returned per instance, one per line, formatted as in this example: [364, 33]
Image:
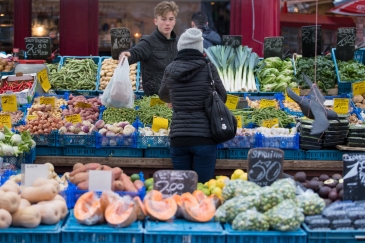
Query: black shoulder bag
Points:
[222, 122]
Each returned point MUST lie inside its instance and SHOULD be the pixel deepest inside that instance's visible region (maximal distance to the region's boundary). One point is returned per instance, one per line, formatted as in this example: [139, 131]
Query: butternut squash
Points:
[28, 217]
[9, 188]
[59, 197]
[38, 194]
[12, 184]
[5, 219]
[60, 205]
[43, 181]
[9, 201]
[24, 203]
[50, 214]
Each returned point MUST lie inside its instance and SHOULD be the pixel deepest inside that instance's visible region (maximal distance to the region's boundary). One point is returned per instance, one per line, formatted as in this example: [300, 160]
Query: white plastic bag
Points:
[119, 92]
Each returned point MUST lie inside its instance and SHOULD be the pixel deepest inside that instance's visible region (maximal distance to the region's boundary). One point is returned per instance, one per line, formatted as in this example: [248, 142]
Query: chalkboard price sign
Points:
[354, 176]
[309, 40]
[170, 182]
[345, 44]
[273, 46]
[232, 40]
[120, 40]
[265, 165]
[38, 48]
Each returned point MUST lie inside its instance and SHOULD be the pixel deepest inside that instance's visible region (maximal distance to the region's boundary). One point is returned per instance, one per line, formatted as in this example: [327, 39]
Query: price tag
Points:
[76, 118]
[5, 120]
[232, 101]
[287, 98]
[159, 123]
[239, 121]
[156, 101]
[32, 172]
[8, 103]
[48, 101]
[83, 105]
[267, 103]
[341, 106]
[32, 117]
[100, 180]
[170, 182]
[43, 80]
[270, 123]
[358, 88]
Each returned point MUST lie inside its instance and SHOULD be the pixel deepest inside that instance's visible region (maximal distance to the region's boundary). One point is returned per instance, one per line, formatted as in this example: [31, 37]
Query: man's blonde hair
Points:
[164, 7]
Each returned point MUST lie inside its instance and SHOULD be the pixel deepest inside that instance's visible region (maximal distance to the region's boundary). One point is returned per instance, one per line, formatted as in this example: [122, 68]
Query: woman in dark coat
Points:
[186, 84]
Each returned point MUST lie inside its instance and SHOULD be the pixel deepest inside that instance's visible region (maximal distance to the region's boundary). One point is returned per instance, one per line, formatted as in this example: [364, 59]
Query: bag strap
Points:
[211, 76]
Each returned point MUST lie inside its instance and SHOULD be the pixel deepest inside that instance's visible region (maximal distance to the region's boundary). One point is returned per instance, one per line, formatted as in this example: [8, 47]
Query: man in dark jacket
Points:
[157, 50]
[186, 84]
[211, 38]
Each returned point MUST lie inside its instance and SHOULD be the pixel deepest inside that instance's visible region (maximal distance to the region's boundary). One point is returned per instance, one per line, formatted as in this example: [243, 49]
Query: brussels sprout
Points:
[286, 216]
[269, 197]
[311, 203]
[251, 220]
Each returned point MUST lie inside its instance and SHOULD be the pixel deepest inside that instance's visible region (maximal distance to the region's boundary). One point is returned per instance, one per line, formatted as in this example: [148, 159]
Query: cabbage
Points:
[273, 62]
[269, 79]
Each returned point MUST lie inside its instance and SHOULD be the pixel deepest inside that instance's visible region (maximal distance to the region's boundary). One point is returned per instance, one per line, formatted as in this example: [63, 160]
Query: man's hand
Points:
[124, 54]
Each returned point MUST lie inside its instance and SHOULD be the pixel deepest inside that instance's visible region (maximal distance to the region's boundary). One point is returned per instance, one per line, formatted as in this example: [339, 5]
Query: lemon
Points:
[217, 191]
[212, 187]
[244, 177]
[211, 182]
[237, 173]
[206, 184]
[220, 183]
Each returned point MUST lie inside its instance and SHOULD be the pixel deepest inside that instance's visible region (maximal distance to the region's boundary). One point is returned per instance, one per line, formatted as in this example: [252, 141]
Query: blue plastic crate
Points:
[72, 193]
[278, 142]
[46, 139]
[345, 86]
[323, 155]
[221, 154]
[103, 152]
[237, 153]
[118, 141]
[87, 140]
[6, 175]
[40, 234]
[153, 141]
[96, 59]
[180, 231]
[290, 154]
[73, 232]
[334, 236]
[281, 99]
[26, 158]
[241, 142]
[157, 153]
[298, 236]
[49, 151]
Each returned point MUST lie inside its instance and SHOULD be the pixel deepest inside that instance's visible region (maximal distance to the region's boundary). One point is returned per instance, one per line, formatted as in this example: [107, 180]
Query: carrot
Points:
[77, 165]
[84, 168]
[118, 186]
[116, 173]
[128, 184]
[83, 185]
[138, 184]
[79, 177]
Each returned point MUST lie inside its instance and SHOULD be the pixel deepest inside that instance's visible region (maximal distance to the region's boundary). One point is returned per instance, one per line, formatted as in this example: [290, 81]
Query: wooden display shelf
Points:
[223, 167]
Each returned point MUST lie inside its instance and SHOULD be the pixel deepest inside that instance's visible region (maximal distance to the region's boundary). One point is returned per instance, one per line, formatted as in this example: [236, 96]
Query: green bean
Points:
[146, 113]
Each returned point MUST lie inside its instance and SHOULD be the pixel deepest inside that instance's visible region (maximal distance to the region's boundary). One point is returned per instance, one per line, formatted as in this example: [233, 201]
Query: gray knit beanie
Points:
[191, 39]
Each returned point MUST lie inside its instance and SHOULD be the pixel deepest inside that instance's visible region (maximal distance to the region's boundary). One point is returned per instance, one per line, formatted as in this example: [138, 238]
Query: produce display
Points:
[87, 108]
[275, 75]
[12, 144]
[16, 116]
[256, 103]
[75, 74]
[251, 220]
[359, 101]
[257, 116]
[107, 70]
[351, 70]
[6, 65]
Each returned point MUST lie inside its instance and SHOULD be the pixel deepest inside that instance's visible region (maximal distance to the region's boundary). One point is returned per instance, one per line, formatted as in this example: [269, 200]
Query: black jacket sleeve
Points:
[140, 52]
[218, 84]
[164, 93]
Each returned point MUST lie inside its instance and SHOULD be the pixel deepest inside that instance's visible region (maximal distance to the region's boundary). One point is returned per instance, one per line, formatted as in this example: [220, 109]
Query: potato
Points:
[357, 99]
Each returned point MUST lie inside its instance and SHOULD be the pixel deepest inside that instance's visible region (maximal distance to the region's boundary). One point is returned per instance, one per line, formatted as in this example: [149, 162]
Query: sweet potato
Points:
[105, 167]
[77, 165]
[138, 184]
[117, 185]
[79, 177]
[83, 185]
[116, 173]
[128, 184]
[84, 168]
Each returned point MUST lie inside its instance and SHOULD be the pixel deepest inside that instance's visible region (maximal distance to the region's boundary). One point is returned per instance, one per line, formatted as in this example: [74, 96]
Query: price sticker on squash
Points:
[270, 123]
[8, 103]
[47, 101]
[341, 106]
[232, 101]
[264, 103]
[5, 120]
[42, 77]
[358, 88]
[76, 118]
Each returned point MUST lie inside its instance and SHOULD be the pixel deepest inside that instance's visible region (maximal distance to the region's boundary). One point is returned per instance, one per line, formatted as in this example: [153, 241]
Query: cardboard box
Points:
[25, 96]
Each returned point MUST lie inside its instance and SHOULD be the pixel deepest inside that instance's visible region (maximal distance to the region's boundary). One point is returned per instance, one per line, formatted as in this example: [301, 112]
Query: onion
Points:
[110, 134]
[68, 124]
[85, 129]
[100, 124]
[123, 124]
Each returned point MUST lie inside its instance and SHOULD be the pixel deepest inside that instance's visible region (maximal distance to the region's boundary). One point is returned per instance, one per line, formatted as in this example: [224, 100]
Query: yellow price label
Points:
[287, 98]
[47, 101]
[270, 123]
[232, 101]
[32, 117]
[82, 105]
[159, 123]
[8, 103]
[341, 105]
[358, 88]
[267, 103]
[43, 80]
[239, 121]
[6, 120]
[156, 101]
[76, 118]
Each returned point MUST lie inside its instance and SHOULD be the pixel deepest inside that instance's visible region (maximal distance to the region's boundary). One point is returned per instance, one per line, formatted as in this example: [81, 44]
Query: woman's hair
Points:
[164, 7]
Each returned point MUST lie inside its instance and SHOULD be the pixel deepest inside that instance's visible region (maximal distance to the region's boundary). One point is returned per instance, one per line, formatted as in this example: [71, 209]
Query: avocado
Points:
[300, 176]
[313, 185]
[331, 183]
[323, 177]
[339, 186]
[315, 179]
[336, 176]
[333, 195]
[340, 195]
[324, 191]
[320, 184]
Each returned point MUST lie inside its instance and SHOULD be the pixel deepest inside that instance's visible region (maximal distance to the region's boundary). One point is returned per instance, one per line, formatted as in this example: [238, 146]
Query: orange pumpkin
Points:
[159, 208]
[88, 209]
[140, 208]
[201, 212]
[120, 213]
